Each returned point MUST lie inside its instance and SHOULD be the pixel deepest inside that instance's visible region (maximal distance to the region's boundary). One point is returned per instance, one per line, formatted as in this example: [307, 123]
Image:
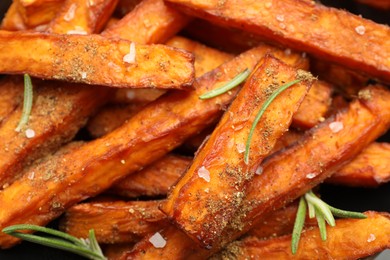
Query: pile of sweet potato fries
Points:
[131, 134]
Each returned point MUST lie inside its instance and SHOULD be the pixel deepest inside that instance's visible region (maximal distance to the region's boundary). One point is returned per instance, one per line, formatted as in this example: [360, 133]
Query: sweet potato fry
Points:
[13, 20]
[114, 222]
[152, 22]
[315, 106]
[83, 15]
[305, 26]
[289, 174]
[158, 128]
[94, 59]
[109, 118]
[218, 175]
[369, 169]
[154, 180]
[38, 12]
[349, 239]
[57, 114]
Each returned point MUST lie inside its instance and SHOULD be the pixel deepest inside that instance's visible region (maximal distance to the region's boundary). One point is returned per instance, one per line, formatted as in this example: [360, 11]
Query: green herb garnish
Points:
[88, 248]
[237, 80]
[260, 114]
[27, 102]
[322, 212]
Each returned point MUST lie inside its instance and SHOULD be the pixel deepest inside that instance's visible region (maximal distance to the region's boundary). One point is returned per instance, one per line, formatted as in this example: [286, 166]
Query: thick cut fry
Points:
[38, 12]
[324, 32]
[57, 114]
[219, 175]
[315, 106]
[78, 16]
[111, 117]
[290, 173]
[95, 166]
[13, 20]
[125, 6]
[94, 59]
[114, 222]
[152, 22]
[349, 239]
[154, 180]
[11, 94]
[369, 169]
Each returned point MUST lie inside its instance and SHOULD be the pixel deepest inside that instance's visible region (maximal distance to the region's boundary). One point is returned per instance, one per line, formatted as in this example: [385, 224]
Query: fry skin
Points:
[38, 12]
[327, 33]
[284, 175]
[84, 59]
[13, 20]
[11, 89]
[154, 180]
[370, 168]
[146, 137]
[349, 239]
[114, 222]
[219, 194]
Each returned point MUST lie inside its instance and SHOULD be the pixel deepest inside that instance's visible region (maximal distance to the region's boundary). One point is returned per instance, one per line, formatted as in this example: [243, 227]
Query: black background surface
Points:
[358, 199]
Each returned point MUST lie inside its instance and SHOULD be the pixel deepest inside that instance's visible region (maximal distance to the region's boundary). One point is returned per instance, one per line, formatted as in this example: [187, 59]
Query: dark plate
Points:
[346, 198]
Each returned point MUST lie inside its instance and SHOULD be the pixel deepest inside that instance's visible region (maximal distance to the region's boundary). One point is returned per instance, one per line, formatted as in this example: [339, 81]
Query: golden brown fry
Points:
[38, 12]
[151, 22]
[80, 16]
[54, 120]
[369, 169]
[158, 128]
[154, 180]
[111, 117]
[94, 59]
[349, 239]
[218, 175]
[115, 221]
[114, 251]
[327, 33]
[315, 106]
[289, 174]
[13, 20]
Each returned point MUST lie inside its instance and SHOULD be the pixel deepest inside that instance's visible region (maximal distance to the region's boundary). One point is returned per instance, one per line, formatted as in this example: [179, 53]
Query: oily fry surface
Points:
[83, 59]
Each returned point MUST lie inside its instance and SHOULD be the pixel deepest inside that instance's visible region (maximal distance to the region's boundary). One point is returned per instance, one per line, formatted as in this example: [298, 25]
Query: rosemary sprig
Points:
[27, 102]
[87, 248]
[237, 80]
[261, 112]
[322, 212]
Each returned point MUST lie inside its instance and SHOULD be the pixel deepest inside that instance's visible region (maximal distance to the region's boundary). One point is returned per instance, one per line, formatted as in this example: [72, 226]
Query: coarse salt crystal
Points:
[77, 30]
[361, 30]
[123, 161]
[310, 175]
[240, 147]
[280, 17]
[336, 127]
[30, 133]
[259, 170]
[371, 238]
[204, 173]
[130, 94]
[70, 14]
[157, 240]
[83, 75]
[207, 190]
[130, 57]
[31, 176]
[287, 51]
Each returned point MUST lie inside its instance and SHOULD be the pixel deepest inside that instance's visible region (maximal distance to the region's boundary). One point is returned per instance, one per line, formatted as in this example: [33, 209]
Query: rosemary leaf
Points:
[237, 80]
[321, 225]
[27, 102]
[346, 214]
[261, 112]
[312, 211]
[298, 225]
[321, 207]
